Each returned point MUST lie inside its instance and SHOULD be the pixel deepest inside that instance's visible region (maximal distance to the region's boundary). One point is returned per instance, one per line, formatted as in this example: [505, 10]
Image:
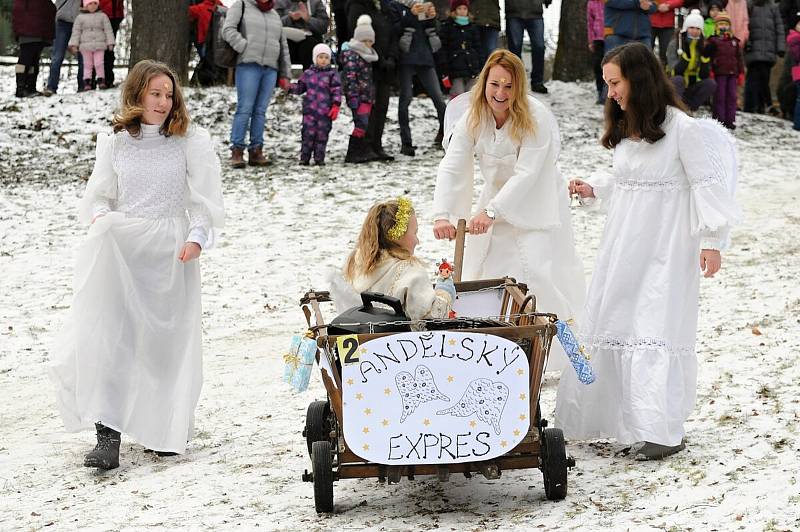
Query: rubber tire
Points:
[322, 466]
[554, 464]
[318, 425]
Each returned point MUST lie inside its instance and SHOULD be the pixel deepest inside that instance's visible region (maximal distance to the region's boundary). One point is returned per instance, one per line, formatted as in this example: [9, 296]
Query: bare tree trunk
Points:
[160, 32]
[573, 59]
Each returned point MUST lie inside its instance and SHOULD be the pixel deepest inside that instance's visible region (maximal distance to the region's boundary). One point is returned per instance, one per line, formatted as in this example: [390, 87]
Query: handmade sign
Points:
[434, 397]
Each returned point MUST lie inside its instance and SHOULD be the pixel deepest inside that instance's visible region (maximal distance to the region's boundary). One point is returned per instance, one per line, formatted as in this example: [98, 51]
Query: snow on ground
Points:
[286, 225]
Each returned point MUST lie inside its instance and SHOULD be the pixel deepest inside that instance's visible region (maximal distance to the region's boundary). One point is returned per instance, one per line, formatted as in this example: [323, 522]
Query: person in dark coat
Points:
[522, 16]
[33, 24]
[727, 64]
[323, 96]
[310, 16]
[383, 70]
[115, 11]
[765, 45]
[628, 21]
[486, 16]
[418, 42]
[459, 59]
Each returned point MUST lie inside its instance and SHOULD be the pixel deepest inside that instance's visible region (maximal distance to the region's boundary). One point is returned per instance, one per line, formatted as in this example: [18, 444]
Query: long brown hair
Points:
[374, 242]
[129, 115]
[650, 92]
[522, 124]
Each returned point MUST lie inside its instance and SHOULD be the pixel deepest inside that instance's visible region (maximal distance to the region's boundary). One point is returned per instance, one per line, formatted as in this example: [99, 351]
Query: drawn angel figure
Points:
[417, 389]
[484, 398]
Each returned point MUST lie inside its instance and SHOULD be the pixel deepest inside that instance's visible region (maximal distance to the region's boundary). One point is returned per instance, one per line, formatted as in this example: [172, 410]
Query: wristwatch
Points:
[489, 213]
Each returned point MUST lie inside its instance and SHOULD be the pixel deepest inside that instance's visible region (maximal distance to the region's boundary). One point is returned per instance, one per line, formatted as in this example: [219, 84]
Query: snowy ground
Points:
[285, 226]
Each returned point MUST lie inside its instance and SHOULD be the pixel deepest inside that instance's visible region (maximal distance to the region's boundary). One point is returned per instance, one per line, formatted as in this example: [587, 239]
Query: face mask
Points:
[462, 21]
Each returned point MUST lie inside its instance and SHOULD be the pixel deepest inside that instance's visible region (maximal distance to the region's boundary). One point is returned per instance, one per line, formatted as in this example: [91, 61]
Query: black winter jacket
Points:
[420, 52]
[526, 9]
[460, 56]
[767, 39]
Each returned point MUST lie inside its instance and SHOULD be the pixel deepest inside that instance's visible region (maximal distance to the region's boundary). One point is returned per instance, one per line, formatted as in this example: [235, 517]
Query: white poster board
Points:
[434, 397]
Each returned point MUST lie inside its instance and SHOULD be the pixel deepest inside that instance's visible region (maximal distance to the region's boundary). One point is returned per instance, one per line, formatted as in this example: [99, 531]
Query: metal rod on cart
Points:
[461, 230]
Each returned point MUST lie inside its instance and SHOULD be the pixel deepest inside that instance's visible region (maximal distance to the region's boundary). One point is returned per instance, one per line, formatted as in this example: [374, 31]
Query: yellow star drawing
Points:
[366, 447]
[522, 396]
[387, 391]
[349, 382]
[523, 417]
[385, 422]
[367, 411]
[359, 396]
[472, 423]
[516, 432]
[450, 378]
[363, 351]
[452, 341]
[503, 443]
[426, 422]
[365, 430]
[520, 371]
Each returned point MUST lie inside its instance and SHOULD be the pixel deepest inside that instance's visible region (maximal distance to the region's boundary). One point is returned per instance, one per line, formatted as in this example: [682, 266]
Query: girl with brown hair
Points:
[670, 209]
[130, 359]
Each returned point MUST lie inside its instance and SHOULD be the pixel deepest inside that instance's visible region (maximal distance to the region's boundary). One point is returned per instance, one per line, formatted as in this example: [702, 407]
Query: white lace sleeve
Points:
[206, 208]
[101, 191]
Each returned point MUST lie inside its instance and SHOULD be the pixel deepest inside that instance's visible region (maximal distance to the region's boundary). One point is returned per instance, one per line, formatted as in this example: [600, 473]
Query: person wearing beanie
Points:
[459, 58]
[662, 23]
[628, 21]
[522, 16]
[419, 42]
[727, 64]
[92, 35]
[312, 19]
[323, 95]
[714, 8]
[688, 65]
[358, 55]
[766, 44]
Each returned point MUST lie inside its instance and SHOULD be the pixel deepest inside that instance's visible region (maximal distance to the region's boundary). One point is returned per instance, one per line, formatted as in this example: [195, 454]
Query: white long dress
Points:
[531, 238]
[666, 201]
[130, 355]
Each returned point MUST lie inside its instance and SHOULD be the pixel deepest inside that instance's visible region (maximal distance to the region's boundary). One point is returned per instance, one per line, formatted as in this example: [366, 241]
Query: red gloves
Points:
[284, 84]
[359, 133]
[364, 108]
[334, 112]
[740, 79]
[446, 82]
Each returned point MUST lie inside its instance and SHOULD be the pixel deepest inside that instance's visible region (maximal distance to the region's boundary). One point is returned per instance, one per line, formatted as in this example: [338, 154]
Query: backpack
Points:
[223, 54]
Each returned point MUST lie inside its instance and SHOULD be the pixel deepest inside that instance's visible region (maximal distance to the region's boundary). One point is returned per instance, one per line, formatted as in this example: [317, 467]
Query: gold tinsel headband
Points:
[404, 210]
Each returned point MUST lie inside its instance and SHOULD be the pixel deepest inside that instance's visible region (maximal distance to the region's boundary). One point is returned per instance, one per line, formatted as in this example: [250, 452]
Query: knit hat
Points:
[321, 48]
[87, 2]
[364, 31]
[721, 4]
[722, 16]
[455, 3]
[693, 20]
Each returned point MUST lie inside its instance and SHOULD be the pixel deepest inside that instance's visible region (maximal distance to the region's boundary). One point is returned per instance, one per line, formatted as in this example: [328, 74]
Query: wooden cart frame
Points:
[541, 448]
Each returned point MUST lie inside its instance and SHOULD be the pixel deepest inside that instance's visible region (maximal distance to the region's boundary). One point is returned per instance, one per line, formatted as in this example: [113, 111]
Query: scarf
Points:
[265, 6]
[367, 54]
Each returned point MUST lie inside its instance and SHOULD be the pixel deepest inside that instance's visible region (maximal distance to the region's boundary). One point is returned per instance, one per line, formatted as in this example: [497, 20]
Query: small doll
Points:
[444, 281]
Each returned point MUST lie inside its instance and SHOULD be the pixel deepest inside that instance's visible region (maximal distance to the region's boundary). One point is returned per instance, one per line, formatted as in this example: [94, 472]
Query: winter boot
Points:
[255, 157]
[31, 84]
[358, 151]
[237, 157]
[101, 84]
[22, 83]
[105, 454]
[408, 149]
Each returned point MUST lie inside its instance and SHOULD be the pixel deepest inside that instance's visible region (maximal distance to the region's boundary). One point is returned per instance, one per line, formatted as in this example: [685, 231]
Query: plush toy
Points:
[444, 282]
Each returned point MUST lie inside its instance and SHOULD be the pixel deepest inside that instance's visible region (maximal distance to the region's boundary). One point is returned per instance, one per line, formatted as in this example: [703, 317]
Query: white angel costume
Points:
[130, 356]
[666, 201]
[531, 238]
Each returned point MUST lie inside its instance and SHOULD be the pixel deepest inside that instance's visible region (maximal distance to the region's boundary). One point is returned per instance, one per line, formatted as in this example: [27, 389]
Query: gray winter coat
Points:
[259, 39]
[318, 20]
[91, 31]
[526, 9]
[766, 33]
[67, 10]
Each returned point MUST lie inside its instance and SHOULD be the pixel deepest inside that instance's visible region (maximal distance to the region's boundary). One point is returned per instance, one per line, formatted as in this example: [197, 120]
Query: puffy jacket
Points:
[419, 52]
[33, 20]
[793, 43]
[665, 20]
[356, 79]
[322, 88]
[726, 55]
[261, 40]
[625, 18]
[460, 56]
[526, 8]
[485, 13]
[385, 37]
[115, 9]
[67, 10]
[594, 20]
[91, 31]
[318, 20]
[201, 14]
[689, 60]
[767, 38]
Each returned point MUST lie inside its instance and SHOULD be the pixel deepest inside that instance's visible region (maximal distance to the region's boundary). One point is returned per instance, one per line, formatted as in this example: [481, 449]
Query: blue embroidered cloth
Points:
[573, 350]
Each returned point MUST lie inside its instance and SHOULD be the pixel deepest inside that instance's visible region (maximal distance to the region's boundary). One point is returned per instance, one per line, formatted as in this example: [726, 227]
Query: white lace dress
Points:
[666, 201]
[130, 356]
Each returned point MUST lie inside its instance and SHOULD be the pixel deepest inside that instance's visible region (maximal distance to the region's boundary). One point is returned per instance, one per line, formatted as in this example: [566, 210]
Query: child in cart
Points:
[383, 261]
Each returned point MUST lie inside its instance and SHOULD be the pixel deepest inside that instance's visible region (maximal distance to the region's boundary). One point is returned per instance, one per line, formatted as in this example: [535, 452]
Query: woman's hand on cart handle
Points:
[442, 229]
[479, 224]
[710, 262]
[581, 187]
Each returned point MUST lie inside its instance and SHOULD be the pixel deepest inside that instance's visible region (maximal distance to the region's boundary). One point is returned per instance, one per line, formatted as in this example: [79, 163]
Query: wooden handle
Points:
[461, 231]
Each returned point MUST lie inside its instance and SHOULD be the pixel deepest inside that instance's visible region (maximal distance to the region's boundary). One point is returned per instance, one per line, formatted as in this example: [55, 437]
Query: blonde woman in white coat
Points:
[522, 228]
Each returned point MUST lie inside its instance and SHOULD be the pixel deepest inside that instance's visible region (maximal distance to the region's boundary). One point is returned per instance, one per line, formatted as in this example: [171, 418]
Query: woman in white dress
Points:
[521, 227]
[130, 358]
[669, 213]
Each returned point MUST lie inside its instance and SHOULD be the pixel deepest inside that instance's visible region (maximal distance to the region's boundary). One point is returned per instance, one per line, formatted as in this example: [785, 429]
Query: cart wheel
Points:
[318, 424]
[323, 476]
[554, 464]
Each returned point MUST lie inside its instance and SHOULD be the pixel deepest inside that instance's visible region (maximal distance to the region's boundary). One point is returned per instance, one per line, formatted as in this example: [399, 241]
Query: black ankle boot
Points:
[105, 454]
[358, 151]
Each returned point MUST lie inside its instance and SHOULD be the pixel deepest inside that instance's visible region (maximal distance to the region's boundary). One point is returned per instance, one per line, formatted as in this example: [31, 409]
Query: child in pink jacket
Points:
[92, 35]
[594, 25]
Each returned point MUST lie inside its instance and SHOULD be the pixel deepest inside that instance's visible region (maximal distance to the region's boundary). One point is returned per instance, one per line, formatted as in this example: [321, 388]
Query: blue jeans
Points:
[488, 36]
[254, 86]
[612, 41]
[515, 28]
[60, 42]
[797, 106]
